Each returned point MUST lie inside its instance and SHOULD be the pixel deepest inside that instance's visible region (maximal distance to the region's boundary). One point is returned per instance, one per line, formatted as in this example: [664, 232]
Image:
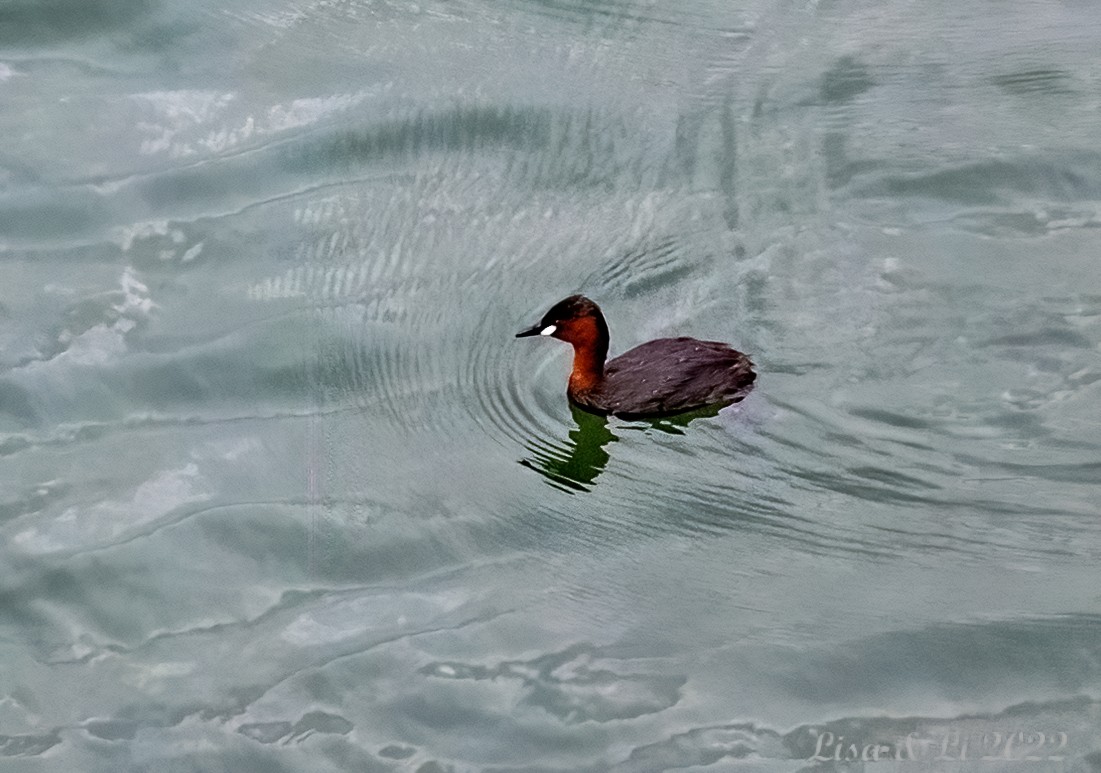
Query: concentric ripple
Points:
[501, 374]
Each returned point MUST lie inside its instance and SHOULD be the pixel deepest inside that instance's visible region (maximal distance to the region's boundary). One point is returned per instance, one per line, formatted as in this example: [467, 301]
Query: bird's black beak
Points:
[534, 330]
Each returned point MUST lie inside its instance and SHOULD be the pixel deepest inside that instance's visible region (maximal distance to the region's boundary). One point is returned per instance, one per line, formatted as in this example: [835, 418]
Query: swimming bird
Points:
[662, 377]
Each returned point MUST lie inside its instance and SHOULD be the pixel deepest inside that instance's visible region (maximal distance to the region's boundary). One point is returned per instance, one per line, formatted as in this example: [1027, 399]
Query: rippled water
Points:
[281, 492]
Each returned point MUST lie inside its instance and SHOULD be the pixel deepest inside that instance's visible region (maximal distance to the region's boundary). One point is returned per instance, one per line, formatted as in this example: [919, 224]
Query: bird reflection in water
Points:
[574, 466]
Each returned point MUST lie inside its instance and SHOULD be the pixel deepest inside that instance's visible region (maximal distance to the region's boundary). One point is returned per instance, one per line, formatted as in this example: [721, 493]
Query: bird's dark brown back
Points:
[670, 375]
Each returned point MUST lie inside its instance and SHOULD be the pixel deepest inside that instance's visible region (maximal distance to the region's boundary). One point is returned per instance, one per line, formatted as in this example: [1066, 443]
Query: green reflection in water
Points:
[574, 465]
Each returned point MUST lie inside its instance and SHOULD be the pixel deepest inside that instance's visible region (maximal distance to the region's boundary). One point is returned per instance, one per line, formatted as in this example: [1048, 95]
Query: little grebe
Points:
[658, 378]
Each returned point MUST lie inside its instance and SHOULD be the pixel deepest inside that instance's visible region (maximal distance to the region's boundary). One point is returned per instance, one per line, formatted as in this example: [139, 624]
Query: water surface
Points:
[279, 491]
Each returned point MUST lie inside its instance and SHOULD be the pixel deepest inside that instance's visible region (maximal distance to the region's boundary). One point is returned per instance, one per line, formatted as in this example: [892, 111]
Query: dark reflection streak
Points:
[464, 128]
[458, 129]
[904, 540]
[728, 174]
[710, 515]
[589, 13]
[48, 21]
[92, 432]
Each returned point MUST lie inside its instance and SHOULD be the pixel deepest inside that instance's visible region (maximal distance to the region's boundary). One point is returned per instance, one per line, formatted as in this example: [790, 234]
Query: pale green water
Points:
[280, 492]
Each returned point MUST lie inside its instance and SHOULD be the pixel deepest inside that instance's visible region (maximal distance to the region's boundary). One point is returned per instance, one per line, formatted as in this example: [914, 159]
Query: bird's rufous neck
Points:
[588, 368]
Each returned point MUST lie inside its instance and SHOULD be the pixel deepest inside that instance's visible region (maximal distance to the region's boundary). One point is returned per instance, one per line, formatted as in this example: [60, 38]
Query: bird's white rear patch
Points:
[548, 330]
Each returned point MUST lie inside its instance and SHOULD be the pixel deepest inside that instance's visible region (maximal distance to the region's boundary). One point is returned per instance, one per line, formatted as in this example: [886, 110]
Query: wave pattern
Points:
[280, 490]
